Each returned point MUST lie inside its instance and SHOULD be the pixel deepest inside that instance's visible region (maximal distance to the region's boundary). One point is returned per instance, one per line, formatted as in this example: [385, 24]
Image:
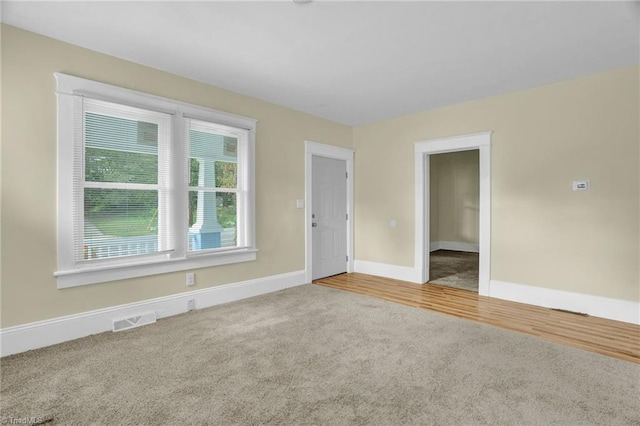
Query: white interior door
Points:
[329, 217]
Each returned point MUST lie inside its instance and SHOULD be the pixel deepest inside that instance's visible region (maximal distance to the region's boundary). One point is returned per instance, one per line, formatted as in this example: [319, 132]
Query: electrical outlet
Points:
[191, 278]
[191, 304]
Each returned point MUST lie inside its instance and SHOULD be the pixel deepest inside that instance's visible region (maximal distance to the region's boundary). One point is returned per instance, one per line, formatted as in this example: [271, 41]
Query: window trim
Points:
[71, 274]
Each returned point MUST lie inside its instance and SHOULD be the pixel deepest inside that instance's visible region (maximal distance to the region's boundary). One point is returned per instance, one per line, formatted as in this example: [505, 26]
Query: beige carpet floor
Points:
[312, 355]
[454, 269]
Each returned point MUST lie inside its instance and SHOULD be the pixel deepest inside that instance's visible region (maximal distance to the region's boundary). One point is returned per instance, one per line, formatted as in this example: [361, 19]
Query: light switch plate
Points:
[300, 204]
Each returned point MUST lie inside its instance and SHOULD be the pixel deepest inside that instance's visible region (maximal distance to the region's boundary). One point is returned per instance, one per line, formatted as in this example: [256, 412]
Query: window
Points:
[148, 185]
[121, 199]
[216, 175]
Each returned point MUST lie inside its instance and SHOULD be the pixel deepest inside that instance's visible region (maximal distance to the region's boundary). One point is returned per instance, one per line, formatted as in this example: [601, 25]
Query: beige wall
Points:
[29, 178]
[455, 197]
[542, 234]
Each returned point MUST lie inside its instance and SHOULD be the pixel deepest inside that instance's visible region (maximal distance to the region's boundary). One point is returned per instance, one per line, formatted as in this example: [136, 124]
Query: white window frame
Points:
[71, 273]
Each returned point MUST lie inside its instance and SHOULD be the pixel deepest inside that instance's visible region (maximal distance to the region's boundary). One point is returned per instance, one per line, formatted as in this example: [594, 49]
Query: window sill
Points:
[86, 276]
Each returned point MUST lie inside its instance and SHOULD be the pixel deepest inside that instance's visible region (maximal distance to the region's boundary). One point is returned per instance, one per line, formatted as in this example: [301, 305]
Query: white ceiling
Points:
[352, 62]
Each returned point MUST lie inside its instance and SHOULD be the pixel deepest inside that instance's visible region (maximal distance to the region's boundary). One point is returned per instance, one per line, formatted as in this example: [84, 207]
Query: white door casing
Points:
[329, 217]
[482, 142]
[319, 151]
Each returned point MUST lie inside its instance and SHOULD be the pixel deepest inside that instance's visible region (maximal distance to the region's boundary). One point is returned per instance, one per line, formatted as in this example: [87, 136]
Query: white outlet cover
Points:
[300, 204]
[191, 278]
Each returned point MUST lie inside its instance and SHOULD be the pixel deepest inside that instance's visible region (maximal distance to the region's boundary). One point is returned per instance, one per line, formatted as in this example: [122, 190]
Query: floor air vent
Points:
[570, 312]
[134, 321]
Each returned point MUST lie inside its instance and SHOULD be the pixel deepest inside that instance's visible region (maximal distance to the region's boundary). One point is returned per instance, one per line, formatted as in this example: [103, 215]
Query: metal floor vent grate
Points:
[134, 321]
[570, 312]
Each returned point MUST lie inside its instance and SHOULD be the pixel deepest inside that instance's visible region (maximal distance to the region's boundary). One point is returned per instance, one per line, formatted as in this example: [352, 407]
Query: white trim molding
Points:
[423, 149]
[80, 277]
[402, 273]
[597, 306]
[328, 151]
[39, 334]
[454, 245]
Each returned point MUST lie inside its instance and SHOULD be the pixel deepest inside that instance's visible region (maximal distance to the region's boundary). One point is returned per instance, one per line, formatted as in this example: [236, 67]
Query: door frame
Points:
[328, 151]
[423, 149]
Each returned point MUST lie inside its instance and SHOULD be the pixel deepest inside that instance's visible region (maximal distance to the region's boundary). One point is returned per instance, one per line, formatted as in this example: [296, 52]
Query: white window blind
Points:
[122, 164]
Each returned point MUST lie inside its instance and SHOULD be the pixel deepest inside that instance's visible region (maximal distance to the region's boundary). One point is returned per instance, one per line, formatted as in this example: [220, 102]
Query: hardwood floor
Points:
[607, 337]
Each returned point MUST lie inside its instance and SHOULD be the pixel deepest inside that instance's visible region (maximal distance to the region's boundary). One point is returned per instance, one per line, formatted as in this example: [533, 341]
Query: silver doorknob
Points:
[314, 225]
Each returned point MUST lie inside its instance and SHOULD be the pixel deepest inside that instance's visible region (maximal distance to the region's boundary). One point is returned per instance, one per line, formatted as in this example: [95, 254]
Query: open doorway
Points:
[425, 149]
[454, 214]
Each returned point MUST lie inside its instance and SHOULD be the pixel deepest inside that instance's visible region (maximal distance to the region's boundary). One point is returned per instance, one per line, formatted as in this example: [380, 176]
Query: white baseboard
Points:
[403, 273]
[454, 245]
[597, 306]
[57, 330]
[603, 307]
